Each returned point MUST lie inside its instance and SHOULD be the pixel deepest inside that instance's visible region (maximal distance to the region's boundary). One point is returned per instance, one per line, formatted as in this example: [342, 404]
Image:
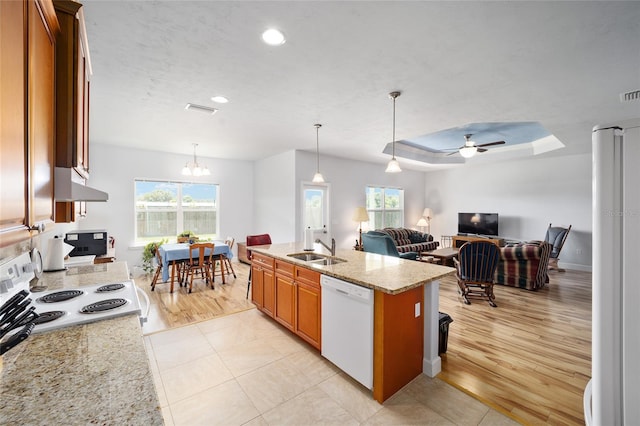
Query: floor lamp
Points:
[427, 214]
[360, 215]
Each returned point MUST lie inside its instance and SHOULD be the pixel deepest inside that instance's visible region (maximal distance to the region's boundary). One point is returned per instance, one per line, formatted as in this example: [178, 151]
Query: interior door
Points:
[315, 210]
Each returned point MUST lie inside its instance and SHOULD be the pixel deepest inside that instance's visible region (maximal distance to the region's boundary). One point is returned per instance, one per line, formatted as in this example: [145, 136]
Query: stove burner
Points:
[59, 296]
[49, 316]
[103, 305]
[109, 287]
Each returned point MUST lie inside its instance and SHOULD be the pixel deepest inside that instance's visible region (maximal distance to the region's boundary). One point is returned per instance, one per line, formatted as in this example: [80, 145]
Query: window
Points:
[165, 209]
[385, 207]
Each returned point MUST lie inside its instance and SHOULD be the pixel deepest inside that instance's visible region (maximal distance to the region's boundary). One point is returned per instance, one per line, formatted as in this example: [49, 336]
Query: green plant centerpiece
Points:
[149, 253]
[186, 236]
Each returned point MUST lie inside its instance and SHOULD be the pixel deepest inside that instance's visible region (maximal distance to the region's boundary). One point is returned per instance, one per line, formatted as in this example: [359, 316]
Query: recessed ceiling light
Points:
[273, 37]
[201, 108]
[220, 99]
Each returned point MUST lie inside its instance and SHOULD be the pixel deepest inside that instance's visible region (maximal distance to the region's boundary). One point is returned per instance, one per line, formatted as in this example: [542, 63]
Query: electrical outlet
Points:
[417, 310]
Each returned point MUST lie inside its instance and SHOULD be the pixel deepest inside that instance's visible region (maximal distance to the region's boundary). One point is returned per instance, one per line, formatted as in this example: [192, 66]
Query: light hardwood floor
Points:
[529, 358]
[170, 310]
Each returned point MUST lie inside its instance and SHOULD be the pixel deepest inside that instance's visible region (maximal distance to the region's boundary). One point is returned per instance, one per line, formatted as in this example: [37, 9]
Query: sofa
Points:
[409, 240]
[524, 265]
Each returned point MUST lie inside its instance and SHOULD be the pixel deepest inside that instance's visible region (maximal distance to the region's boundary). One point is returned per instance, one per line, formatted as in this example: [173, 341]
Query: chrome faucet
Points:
[332, 249]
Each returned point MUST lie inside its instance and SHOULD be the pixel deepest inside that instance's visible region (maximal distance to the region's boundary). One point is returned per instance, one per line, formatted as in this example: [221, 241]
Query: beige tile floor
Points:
[244, 369]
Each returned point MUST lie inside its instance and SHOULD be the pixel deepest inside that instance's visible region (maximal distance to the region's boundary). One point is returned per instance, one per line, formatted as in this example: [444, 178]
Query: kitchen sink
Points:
[327, 261]
[307, 257]
[316, 259]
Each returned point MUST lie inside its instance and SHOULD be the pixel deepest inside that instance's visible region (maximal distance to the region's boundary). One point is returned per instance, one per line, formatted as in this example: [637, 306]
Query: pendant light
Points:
[194, 169]
[317, 178]
[393, 166]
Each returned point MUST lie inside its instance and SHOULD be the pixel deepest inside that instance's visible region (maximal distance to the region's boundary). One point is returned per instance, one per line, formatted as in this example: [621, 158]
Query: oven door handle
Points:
[143, 318]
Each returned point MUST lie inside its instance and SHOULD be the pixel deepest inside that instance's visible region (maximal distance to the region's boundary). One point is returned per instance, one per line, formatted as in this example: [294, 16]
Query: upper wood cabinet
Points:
[73, 74]
[28, 32]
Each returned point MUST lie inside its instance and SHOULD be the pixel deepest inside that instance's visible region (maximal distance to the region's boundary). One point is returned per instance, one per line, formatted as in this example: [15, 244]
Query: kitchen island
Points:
[96, 373]
[406, 320]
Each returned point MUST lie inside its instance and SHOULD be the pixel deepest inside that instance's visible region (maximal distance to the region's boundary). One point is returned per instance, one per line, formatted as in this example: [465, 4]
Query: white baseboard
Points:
[575, 267]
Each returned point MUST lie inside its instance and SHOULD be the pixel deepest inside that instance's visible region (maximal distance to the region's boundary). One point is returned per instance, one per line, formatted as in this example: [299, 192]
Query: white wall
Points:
[274, 200]
[348, 179]
[526, 194]
[114, 168]
[264, 196]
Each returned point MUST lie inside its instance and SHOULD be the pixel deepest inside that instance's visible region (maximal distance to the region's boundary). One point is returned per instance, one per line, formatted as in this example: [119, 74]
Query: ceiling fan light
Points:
[468, 151]
[273, 37]
[393, 166]
[317, 178]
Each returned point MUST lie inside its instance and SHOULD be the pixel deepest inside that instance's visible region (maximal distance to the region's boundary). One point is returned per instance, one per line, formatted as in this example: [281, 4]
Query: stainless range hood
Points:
[70, 186]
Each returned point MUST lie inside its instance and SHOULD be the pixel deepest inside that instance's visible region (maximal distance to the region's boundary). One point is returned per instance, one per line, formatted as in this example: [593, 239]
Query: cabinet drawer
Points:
[308, 276]
[284, 268]
[261, 259]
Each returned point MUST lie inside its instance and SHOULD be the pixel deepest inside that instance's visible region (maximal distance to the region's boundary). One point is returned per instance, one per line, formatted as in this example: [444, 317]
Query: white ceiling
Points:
[562, 64]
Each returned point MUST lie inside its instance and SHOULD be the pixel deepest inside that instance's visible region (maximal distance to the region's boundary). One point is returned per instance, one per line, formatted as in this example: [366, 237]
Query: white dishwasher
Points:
[347, 328]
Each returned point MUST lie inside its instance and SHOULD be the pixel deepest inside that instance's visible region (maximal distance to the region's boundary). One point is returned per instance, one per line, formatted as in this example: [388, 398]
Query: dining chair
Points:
[475, 269]
[226, 267]
[158, 272]
[200, 260]
[255, 240]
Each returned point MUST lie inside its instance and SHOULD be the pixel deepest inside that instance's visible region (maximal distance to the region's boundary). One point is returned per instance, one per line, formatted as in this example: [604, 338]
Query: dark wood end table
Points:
[445, 255]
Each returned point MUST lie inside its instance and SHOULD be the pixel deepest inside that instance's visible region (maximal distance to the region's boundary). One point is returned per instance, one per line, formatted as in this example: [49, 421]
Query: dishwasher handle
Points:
[347, 289]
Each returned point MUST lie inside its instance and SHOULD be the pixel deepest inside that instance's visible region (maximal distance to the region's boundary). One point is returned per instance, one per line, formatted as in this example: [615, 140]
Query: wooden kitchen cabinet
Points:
[263, 292]
[308, 305]
[285, 295]
[28, 32]
[13, 209]
[73, 70]
[288, 293]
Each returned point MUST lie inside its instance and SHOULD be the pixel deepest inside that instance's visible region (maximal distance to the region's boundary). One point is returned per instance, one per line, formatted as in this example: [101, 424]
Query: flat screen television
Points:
[478, 223]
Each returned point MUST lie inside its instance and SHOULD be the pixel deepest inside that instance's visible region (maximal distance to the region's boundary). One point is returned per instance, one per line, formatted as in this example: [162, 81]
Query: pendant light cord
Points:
[195, 160]
[317, 148]
[393, 137]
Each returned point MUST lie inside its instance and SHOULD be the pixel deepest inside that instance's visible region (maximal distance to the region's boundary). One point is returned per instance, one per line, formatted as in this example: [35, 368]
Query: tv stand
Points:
[459, 240]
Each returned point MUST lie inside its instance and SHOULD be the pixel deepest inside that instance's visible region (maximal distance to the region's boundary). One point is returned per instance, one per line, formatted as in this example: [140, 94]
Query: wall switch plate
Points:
[417, 310]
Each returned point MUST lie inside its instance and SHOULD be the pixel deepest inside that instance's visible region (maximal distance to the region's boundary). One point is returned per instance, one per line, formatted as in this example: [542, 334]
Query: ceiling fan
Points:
[470, 148]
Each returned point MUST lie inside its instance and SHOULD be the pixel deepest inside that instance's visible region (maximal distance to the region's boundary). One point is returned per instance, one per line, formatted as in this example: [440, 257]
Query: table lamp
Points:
[422, 222]
[360, 215]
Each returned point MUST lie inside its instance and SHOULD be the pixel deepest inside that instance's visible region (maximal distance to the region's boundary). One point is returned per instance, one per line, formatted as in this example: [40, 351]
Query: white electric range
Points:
[65, 307]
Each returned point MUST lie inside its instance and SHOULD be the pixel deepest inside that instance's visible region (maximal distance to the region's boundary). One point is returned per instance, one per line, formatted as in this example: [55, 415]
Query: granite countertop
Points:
[388, 274]
[96, 373]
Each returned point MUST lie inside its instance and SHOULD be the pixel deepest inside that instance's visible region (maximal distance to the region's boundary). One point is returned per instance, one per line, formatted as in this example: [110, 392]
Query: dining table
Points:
[176, 252]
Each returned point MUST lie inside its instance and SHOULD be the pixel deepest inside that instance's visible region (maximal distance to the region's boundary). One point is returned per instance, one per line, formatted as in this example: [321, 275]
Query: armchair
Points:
[524, 265]
[381, 243]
